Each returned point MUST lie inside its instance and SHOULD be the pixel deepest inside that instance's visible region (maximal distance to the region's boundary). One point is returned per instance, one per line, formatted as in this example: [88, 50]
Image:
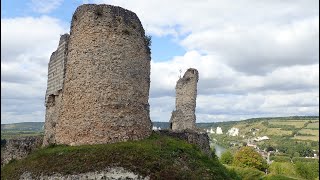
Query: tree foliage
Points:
[226, 157]
[248, 157]
[307, 170]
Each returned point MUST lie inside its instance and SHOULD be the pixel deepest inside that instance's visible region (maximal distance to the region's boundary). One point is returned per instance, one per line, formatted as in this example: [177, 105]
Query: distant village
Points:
[250, 141]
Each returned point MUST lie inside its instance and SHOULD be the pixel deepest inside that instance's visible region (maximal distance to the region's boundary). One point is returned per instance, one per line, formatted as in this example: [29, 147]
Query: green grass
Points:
[10, 134]
[277, 132]
[306, 138]
[246, 173]
[313, 125]
[309, 132]
[283, 168]
[277, 177]
[157, 156]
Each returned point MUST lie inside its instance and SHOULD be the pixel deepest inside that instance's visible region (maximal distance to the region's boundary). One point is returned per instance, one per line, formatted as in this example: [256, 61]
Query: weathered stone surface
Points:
[201, 139]
[186, 93]
[107, 78]
[118, 173]
[19, 148]
[56, 68]
[56, 72]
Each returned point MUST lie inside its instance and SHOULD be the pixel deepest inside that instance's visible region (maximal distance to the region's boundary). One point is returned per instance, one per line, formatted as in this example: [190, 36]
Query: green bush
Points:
[282, 168]
[226, 158]
[302, 159]
[277, 177]
[249, 157]
[280, 158]
[247, 173]
[307, 170]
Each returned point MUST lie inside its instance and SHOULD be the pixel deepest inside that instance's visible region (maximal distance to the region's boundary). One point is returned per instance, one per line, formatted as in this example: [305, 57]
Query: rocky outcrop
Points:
[19, 148]
[107, 78]
[116, 173]
[200, 139]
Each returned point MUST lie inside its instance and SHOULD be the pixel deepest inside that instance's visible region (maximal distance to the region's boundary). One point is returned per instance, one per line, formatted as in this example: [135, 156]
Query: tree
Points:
[307, 170]
[248, 157]
[226, 157]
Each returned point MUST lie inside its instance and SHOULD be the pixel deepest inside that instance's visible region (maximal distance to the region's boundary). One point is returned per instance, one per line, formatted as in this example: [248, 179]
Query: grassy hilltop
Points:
[159, 157]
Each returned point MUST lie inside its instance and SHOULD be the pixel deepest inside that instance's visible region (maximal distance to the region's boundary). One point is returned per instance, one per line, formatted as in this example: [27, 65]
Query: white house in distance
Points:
[261, 138]
[219, 130]
[233, 132]
[156, 128]
[211, 131]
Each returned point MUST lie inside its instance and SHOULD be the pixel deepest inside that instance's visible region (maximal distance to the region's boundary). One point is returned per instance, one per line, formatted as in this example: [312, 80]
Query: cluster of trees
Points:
[245, 157]
[295, 149]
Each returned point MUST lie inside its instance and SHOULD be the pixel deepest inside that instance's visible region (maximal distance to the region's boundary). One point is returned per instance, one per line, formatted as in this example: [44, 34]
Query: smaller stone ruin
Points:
[19, 148]
[186, 93]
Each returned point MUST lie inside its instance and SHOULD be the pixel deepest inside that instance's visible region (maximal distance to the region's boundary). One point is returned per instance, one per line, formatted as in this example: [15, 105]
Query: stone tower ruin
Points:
[107, 78]
[186, 93]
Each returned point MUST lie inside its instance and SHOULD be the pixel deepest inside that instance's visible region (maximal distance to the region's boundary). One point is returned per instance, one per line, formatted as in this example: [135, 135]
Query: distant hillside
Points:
[24, 126]
[38, 126]
[283, 133]
[9, 131]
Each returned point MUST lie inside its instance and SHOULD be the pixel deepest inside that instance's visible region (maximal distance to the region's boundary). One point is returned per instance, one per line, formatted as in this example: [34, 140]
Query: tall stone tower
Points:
[107, 78]
[186, 93]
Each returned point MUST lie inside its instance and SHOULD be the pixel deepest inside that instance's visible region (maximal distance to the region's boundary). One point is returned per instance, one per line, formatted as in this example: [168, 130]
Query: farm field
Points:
[296, 124]
[314, 125]
[306, 138]
[277, 132]
[309, 132]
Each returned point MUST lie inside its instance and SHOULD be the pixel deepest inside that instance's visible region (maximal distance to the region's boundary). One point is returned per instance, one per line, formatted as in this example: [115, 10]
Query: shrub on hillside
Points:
[226, 157]
[282, 168]
[247, 173]
[302, 159]
[280, 158]
[307, 170]
[249, 157]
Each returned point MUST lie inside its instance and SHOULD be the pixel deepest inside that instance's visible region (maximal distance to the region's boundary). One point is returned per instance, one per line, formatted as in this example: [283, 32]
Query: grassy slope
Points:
[278, 129]
[15, 130]
[157, 156]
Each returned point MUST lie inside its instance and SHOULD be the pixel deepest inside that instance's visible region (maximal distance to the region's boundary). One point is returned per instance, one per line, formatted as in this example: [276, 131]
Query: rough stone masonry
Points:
[186, 93]
[56, 72]
[104, 98]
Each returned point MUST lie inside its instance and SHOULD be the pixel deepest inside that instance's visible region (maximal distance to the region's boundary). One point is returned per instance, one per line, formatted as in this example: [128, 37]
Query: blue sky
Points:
[255, 58]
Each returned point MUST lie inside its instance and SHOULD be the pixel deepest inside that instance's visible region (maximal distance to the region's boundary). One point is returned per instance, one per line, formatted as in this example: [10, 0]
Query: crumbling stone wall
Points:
[186, 93]
[200, 139]
[56, 67]
[107, 78]
[19, 148]
[56, 73]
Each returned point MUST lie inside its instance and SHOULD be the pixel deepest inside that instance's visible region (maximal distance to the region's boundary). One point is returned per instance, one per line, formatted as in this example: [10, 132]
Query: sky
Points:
[255, 58]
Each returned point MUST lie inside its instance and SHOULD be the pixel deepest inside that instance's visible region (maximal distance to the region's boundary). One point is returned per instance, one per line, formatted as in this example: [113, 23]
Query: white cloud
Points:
[45, 6]
[258, 49]
[251, 36]
[226, 93]
[26, 46]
